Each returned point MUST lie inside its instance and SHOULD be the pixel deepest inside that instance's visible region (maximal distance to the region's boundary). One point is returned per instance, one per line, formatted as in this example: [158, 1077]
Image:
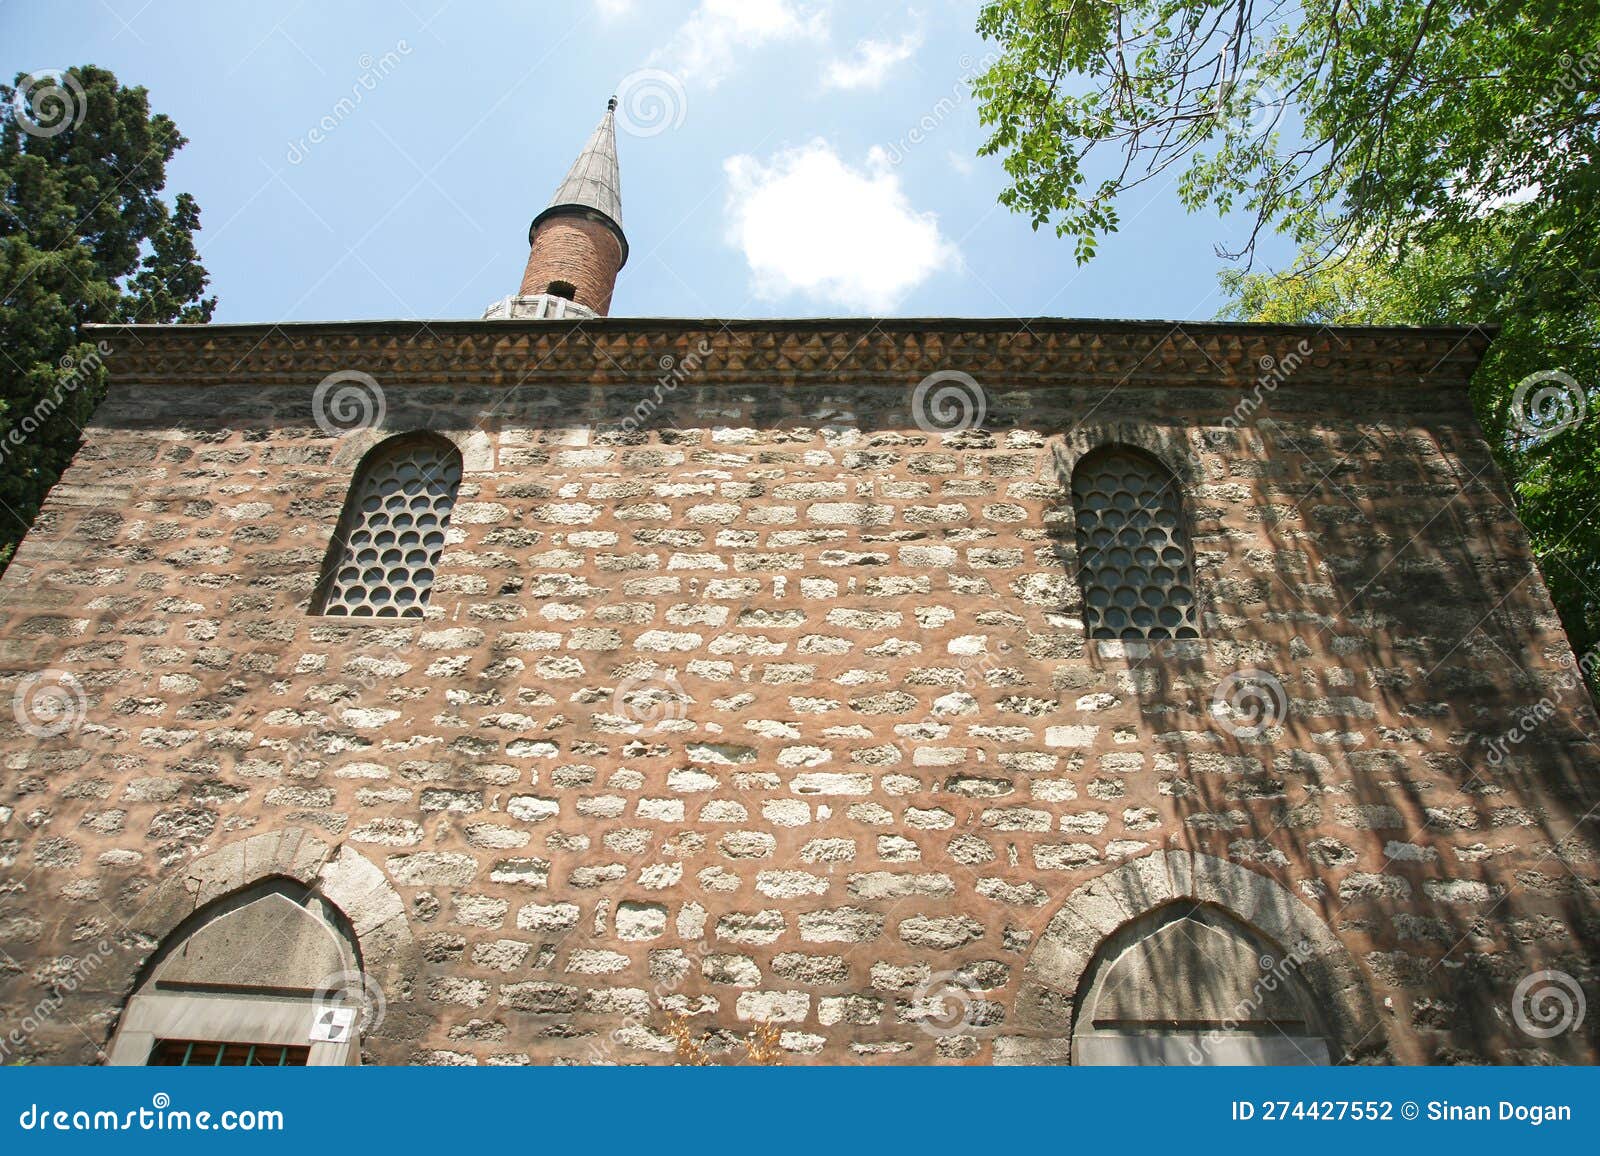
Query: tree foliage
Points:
[1434, 160]
[1551, 459]
[85, 236]
[1391, 122]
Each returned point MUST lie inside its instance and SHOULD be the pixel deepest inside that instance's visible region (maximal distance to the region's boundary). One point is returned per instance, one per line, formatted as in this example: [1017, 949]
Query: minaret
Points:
[576, 245]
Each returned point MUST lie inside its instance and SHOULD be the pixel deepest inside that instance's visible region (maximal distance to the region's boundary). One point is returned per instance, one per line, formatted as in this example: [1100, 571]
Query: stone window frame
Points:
[1172, 449]
[371, 450]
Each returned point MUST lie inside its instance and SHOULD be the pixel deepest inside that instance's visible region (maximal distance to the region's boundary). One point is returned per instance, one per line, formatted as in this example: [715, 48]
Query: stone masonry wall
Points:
[769, 705]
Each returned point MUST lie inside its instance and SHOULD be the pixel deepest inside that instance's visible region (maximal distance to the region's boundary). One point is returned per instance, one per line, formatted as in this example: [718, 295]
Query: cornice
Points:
[754, 353]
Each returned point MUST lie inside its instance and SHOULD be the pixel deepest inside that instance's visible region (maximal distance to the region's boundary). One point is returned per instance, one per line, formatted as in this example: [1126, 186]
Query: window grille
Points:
[217, 1054]
[382, 559]
[1133, 551]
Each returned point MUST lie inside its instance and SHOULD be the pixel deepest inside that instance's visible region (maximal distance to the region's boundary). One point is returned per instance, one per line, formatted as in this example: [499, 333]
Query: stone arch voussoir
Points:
[1169, 445]
[1048, 998]
[341, 875]
[475, 445]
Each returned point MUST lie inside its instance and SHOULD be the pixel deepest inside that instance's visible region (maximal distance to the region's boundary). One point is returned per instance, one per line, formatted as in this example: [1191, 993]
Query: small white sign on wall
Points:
[332, 1025]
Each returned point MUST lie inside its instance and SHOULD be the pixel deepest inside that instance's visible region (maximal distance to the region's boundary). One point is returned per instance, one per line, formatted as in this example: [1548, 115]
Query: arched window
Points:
[267, 977]
[562, 289]
[1190, 985]
[1133, 551]
[382, 558]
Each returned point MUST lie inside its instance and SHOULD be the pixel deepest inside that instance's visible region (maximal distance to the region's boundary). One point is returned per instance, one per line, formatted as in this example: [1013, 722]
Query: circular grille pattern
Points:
[393, 529]
[1133, 554]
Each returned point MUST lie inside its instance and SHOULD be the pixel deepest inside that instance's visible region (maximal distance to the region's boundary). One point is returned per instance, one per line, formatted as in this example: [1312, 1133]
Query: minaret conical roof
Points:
[593, 186]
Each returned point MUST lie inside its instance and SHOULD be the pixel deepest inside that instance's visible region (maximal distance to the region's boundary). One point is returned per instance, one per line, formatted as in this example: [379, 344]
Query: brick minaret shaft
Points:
[576, 245]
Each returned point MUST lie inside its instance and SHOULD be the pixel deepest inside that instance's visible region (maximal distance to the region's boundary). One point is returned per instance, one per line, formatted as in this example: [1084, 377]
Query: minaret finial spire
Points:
[576, 244]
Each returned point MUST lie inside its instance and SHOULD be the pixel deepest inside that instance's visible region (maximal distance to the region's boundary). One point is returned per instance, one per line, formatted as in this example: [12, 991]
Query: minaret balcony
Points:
[537, 307]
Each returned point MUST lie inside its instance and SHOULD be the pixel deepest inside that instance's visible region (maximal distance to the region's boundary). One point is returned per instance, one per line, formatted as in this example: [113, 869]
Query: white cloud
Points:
[711, 42]
[809, 223]
[869, 65]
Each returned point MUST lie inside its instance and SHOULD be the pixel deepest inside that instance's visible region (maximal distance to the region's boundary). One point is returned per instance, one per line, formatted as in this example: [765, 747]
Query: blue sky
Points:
[779, 157]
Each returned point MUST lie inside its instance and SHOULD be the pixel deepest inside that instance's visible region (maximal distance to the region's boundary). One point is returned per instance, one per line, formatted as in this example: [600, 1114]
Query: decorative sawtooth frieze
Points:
[613, 350]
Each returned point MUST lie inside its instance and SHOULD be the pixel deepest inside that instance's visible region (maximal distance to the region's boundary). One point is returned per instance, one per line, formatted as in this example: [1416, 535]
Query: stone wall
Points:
[763, 703]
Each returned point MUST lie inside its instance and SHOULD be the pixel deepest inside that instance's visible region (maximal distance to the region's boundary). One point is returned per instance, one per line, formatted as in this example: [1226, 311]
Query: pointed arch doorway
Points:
[1179, 957]
[269, 976]
[1189, 985]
